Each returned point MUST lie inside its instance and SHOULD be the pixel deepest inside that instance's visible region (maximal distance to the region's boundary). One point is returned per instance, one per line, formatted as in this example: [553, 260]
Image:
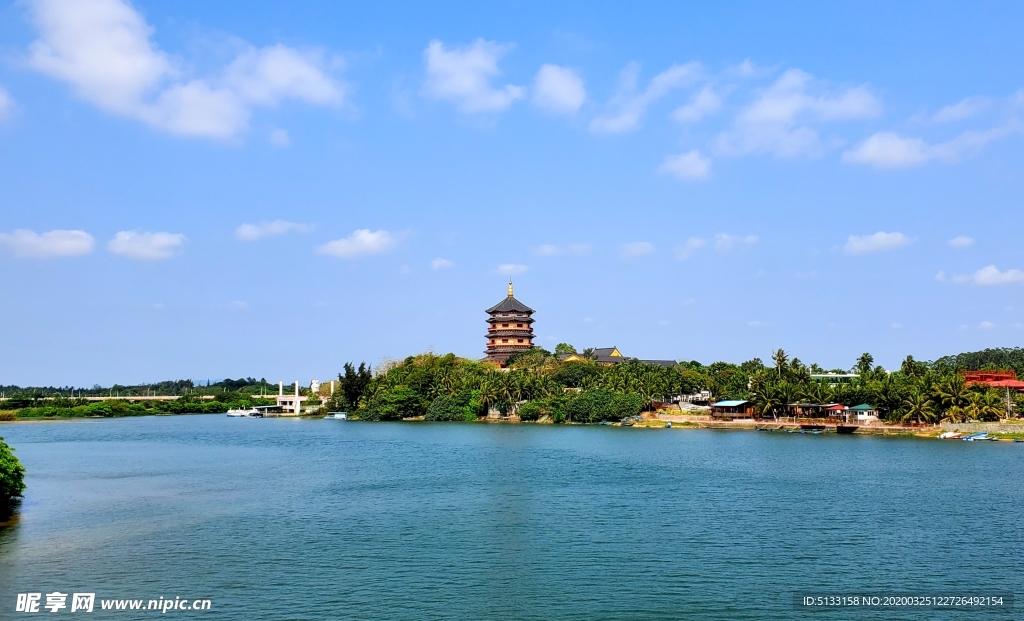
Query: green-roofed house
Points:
[865, 412]
[728, 410]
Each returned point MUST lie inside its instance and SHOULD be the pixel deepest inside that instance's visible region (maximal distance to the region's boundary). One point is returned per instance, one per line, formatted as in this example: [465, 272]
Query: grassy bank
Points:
[77, 408]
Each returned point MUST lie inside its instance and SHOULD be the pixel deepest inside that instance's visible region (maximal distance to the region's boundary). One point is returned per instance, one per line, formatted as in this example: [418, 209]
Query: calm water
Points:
[290, 519]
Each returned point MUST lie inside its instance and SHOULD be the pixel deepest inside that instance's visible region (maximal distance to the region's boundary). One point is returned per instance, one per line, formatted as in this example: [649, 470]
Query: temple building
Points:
[510, 328]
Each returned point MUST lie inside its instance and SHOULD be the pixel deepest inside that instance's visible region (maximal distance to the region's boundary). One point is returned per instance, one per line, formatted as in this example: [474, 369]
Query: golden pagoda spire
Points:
[509, 287]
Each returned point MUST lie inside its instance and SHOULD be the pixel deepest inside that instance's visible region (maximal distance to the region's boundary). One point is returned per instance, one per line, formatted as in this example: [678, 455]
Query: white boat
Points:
[337, 415]
[243, 413]
[979, 437]
[951, 435]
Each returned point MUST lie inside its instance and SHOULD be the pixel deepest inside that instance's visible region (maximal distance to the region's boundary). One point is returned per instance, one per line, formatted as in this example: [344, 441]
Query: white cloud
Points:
[636, 249]
[279, 138]
[440, 264]
[689, 247]
[551, 250]
[687, 166]
[361, 241]
[756, 324]
[890, 150]
[558, 89]
[779, 120]
[628, 106]
[897, 326]
[239, 305]
[146, 246]
[102, 49]
[703, 104]
[961, 242]
[986, 325]
[463, 76]
[252, 232]
[58, 243]
[6, 105]
[991, 275]
[268, 75]
[725, 242]
[511, 269]
[960, 111]
[877, 242]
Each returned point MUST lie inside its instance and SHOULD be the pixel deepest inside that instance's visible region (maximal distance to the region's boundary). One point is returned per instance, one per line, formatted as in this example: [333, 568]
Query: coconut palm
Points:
[819, 392]
[781, 360]
[864, 363]
[952, 393]
[918, 406]
[993, 406]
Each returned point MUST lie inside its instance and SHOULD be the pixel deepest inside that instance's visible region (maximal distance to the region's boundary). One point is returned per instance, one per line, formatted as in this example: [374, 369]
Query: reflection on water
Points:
[299, 519]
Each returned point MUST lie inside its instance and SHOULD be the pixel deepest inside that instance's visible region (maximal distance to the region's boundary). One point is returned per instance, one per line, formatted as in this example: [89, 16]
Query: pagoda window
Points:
[519, 340]
[504, 325]
[504, 340]
[519, 325]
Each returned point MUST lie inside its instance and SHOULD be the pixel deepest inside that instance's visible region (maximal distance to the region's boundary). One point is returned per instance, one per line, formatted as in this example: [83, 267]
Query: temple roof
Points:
[509, 305]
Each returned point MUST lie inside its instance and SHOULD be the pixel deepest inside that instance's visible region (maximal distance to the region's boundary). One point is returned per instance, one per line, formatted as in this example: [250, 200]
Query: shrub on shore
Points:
[12, 479]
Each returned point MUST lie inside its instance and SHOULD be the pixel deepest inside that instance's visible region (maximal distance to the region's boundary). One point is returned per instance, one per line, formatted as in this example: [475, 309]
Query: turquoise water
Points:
[315, 519]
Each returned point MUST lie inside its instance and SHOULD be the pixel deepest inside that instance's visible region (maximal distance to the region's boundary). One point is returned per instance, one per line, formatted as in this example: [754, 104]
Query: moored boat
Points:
[951, 435]
[243, 413]
[978, 437]
[846, 428]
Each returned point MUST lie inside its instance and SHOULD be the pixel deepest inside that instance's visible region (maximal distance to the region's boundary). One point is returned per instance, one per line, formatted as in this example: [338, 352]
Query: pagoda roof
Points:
[510, 305]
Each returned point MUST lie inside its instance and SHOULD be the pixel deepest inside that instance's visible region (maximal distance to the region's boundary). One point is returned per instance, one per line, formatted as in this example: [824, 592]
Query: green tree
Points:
[918, 406]
[864, 363]
[12, 479]
[352, 385]
[781, 360]
[564, 349]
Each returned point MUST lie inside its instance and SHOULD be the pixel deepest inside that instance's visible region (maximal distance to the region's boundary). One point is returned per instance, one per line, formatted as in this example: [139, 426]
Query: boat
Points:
[668, 425]
[979, 437]
[951, 435]
[337, 415]
[812, 427]
[243, 413]
[846, 428]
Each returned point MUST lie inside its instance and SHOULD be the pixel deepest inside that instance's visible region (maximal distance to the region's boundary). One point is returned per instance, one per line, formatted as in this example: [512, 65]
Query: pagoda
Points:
[510, 329]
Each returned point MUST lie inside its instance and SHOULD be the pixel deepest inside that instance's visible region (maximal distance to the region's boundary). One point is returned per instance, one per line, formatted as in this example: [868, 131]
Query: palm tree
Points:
[768, 399]
[952, 393]
[992, 406]
[819, 392]
[789, 394]
[864, 363]
[920, 406]
[488, 392]
[781, 359]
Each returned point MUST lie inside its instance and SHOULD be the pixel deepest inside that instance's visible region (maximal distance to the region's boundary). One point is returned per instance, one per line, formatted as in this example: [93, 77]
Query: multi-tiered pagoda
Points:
[510, 329]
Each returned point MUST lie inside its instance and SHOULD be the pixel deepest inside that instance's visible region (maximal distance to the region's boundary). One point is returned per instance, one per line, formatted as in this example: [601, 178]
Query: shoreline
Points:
[661, 420]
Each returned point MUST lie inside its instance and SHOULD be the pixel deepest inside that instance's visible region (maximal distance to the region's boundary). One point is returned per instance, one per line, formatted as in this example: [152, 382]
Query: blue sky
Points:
[194, 190]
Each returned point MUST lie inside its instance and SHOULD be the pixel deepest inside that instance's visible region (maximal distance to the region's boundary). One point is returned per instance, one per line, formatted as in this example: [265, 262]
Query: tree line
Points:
[538, 384]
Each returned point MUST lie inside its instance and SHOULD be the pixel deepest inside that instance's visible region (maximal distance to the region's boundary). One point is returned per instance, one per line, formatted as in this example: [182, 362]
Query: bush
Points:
[12, 478]
[451, 408]
[530, 411]
[7, 415]
[393, 403]
[591, 406]
[625, 405]
[535, 410]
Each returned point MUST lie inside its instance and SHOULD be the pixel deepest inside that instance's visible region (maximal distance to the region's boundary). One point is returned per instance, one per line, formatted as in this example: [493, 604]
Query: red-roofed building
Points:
[1003, 378]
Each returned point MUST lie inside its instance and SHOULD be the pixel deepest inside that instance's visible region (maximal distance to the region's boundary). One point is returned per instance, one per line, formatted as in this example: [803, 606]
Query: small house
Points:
[729, 410]
[865, 412]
